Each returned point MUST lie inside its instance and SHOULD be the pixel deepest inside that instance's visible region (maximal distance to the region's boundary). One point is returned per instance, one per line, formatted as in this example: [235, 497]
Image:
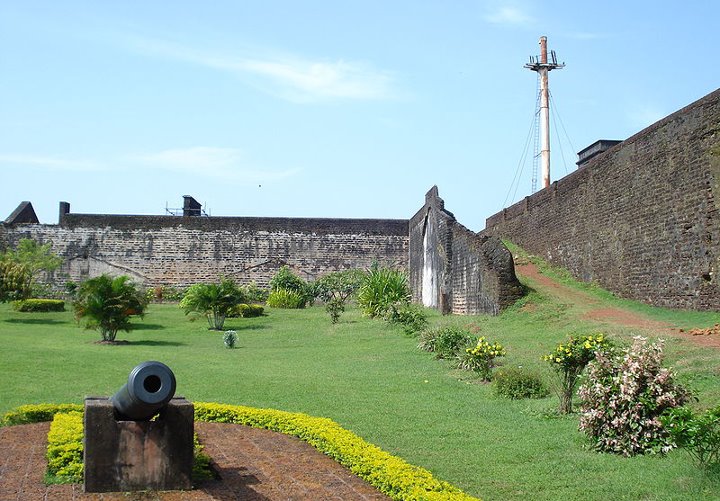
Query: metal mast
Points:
[541, 65]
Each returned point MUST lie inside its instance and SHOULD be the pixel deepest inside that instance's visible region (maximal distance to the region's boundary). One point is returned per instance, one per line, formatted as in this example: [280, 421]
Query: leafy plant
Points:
[106, 304]
[285, 279]
[699, 434]
[15, 281]
[624, 397]
[334, 289]
[411, 316]
[65, 448]
[33, 257]
[255, 293]
[569, 360]
[382, 288]
[213, 300]
[445, 342]
[40, 305]
[481, 358]
[283, 298]
[246, 311]
[517, 383]
[229, 339]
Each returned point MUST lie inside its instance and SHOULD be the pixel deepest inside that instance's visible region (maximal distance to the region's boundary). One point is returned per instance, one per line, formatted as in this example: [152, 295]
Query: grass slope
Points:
[370, 378]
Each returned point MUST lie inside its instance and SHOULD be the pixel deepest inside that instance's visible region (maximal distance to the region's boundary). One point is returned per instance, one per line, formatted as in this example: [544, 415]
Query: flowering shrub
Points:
[481, 358]
[569, 361]
[699, 434]
[623, 398]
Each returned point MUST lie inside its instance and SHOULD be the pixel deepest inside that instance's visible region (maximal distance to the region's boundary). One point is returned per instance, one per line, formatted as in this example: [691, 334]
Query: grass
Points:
[370, 378]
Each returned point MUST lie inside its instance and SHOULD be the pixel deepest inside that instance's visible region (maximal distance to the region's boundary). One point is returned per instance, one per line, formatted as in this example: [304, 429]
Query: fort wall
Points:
[640, 219]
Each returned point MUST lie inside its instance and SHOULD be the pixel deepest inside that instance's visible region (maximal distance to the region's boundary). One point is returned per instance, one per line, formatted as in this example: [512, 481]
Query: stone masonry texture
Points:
[640, 219]
[180, 251]
[456, 270]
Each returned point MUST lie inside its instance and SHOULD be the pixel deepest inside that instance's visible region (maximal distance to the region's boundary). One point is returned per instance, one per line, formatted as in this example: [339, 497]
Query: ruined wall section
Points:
[640, 219]
[180, 251]
[456, 270]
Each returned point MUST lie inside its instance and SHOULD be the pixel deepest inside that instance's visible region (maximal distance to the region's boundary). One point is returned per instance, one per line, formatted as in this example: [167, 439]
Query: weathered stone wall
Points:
[180, 251]
[640, 219]
[455, 270]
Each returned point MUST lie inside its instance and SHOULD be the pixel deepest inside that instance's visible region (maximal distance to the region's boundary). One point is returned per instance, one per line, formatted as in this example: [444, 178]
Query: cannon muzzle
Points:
[150, 387]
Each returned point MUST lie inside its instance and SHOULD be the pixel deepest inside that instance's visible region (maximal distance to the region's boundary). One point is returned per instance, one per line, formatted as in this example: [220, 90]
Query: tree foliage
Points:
[20, 268]
[334, 289]
[215, 301]
[106, 304]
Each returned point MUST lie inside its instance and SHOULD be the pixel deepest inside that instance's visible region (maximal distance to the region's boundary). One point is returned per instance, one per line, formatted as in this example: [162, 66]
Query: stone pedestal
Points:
[123, 456]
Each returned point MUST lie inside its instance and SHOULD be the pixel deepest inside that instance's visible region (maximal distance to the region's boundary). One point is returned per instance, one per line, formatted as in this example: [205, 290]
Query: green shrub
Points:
[481, 357]
[106, 303]
[36, 413]
[213, 300]
[382, 288]
[517, 383]
[283, 298]
[255, 293]
[246, 311]
[229, 339]
[699, 434]
[15, 281]
[445, 342]
[334, 289]
[285, 279]
[411, 316]
[39, 305]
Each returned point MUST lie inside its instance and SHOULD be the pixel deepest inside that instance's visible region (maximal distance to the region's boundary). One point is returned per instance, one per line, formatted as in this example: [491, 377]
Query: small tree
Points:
[106, 304]
[334, 289]
[286, 280]
[34, 258]
[569, 361]
[214, 301]
[15, 281]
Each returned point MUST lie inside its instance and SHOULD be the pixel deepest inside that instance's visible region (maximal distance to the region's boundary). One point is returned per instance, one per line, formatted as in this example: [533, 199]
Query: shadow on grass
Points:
[241, 328]
[148, 327]
[151, 342]
[36, 321]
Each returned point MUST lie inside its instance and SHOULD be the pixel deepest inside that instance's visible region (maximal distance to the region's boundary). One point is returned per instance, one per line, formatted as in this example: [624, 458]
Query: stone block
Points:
[122, 456]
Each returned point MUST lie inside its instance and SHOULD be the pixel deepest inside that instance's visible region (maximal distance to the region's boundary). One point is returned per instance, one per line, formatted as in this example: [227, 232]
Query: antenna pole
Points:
[541, 65]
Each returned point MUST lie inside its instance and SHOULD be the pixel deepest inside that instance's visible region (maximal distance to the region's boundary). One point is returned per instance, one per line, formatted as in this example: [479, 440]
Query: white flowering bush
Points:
[623, 397]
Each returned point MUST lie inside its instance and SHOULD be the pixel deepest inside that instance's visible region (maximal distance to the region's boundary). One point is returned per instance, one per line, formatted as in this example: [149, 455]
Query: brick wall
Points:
[179, 251]
[454, 269]
[640, 219]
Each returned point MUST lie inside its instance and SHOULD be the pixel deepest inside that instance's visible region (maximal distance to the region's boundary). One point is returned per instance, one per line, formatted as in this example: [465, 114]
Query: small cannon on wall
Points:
[126, 449]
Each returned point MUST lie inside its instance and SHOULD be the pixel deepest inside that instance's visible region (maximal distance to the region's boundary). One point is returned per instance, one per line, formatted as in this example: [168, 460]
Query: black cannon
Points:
[150, 387]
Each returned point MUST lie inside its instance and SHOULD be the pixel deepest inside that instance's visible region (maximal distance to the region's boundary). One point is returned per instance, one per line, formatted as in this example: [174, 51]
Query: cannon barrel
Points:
[149, 388]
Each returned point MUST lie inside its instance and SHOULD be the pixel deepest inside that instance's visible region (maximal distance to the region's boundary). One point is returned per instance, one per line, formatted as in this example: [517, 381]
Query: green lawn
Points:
[370, 378]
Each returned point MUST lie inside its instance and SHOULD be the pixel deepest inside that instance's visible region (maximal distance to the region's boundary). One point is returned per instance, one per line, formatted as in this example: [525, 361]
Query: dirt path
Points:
[595, 309]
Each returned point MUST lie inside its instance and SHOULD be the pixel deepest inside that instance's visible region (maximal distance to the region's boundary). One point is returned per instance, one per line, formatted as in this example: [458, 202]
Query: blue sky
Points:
[324, 108]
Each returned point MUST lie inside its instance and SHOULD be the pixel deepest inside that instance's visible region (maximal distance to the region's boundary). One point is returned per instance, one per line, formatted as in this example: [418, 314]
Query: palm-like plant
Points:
[107, 303]
[214, 301]
[382, 288]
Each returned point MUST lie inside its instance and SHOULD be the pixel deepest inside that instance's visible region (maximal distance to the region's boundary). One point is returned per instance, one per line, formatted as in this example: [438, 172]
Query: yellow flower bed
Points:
[389, 474]
[65, 447]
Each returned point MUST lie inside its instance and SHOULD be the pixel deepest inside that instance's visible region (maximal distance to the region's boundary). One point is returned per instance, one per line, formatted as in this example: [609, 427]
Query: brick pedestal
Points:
[123, 456]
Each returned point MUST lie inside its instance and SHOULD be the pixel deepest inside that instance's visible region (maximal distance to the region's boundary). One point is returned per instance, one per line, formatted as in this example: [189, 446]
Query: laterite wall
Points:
[640, 219]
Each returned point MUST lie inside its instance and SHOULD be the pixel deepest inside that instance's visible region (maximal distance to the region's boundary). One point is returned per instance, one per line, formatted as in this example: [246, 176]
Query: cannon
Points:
[149, 388]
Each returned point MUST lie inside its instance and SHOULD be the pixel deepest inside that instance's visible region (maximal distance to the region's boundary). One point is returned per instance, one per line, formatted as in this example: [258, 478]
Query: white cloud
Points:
[52, 163]
[289, 77]
[227, 164]
[509, 15]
